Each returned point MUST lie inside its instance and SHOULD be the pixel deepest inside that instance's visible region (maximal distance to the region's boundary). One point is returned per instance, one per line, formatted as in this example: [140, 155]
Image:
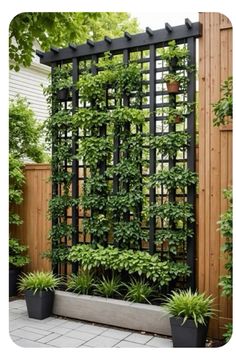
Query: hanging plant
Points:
[170, 144]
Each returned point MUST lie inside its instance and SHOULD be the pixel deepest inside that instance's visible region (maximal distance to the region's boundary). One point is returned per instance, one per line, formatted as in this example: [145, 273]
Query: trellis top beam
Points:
[139, 41]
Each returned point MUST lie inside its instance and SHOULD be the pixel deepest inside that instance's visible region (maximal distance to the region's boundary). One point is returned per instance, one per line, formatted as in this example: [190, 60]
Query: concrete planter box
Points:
[125, 314]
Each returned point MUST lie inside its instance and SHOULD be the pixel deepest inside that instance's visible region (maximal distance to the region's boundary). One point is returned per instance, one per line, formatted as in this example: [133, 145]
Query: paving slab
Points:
[103, 342]
[68, 333]
[66, 342]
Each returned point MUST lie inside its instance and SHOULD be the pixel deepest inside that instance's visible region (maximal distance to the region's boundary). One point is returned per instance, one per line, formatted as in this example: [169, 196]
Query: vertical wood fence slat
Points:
[215, 154]
[34, 211]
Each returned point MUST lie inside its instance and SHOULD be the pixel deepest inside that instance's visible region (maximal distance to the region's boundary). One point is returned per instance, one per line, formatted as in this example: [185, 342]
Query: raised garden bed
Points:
[125, 314]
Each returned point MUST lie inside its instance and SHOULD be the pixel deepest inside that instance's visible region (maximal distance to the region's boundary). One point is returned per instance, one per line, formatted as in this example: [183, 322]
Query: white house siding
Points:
[27, 83]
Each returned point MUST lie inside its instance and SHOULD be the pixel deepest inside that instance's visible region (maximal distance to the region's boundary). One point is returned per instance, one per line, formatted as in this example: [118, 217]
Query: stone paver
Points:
[68, 333]
[103, 342]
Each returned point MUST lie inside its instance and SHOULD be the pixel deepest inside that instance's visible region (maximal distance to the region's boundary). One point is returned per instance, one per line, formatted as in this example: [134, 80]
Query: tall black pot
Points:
[188, 335]
[63, 94]
[13, 279]
[39, 305]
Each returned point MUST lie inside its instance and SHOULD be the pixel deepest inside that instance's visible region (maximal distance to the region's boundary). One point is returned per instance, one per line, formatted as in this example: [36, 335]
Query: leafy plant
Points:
[179, 113]
[173, 237]
[108, 287]
[122, 115]
[59, 204]
[174, 53]
[16, 254]
[224, 107]
[129, 233]
[172, 211]
[175, 177]
[229, 331]
[131, 261]
[226, 228]
[37, 281]
[57, 254]
[171, 143]
[177, 77]
[94, 149]
[61, 230]
[81, 283]
[97, 225]
[90, 118]
[190, 306]
[138, 291]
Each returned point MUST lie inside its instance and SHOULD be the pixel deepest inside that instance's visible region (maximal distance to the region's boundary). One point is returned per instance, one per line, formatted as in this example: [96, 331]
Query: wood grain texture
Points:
[215, 161]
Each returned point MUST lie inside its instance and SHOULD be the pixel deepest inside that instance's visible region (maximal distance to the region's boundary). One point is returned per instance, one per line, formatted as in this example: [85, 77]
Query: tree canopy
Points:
[60, 29]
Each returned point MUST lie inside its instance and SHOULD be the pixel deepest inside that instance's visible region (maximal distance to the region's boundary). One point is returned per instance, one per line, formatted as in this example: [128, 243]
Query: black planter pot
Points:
[39, 305]
[63, 94]
[188, 335]
[13, 279]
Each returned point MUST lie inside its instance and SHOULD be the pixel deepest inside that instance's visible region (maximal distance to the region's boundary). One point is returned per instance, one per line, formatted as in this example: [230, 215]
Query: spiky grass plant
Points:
[190, 306]
[138, 291]
[108, 287]
[81, 283]
[38, 281]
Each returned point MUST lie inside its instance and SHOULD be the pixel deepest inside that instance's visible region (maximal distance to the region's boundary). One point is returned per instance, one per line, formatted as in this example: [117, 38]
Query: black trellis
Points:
[144, 49]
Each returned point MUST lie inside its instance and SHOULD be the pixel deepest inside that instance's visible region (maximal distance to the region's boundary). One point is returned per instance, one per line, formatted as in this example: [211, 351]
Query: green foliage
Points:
[129, 233]
[81, 283]
[138, 291]
[190, 306]
[123, 202]
[97, 225]
[229, 331]
[58, 254]
[94, 149]
[138, 262]
[176, 177]
[24, 132]
[37, 281]
[224, 107]
[176, 52]
[59, 204]
[177, 77]
[61, 28]
[16, 181]
[108, 287]
[61, 230]
[122, 115]
[173, 237]
[16, 254]
[226, 229]
[172, 211]
[169, 144]
[178, 113]
[90, 118]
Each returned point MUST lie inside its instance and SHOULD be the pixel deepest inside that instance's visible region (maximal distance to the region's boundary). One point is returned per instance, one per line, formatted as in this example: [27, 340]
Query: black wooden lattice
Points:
[144, 49]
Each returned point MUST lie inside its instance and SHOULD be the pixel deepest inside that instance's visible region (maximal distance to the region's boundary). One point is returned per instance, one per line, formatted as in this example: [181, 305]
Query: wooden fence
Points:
[215, 159]
[214, 164]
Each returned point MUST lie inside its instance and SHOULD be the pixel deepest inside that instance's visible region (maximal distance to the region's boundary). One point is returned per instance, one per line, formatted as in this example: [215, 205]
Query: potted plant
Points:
[174, 81]
[17, 260]
[190, 317]
[62, 82]
[39, 290]
[177, 114]
[174, 55]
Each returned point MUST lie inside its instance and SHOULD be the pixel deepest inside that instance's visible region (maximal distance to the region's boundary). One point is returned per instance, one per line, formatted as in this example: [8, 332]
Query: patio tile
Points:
[73, 324]
[138, 338]
[116, 333]
[126, 344]
[35, 330]
[92, 329]
[102, 342]
[85, 336]
[159, 342]
[26, 343]
[49, 337]
[60, 330]
[27, 334]
[65, 342]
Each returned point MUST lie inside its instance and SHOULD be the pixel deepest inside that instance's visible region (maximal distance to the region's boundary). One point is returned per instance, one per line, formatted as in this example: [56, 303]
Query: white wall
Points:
[27, 83]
